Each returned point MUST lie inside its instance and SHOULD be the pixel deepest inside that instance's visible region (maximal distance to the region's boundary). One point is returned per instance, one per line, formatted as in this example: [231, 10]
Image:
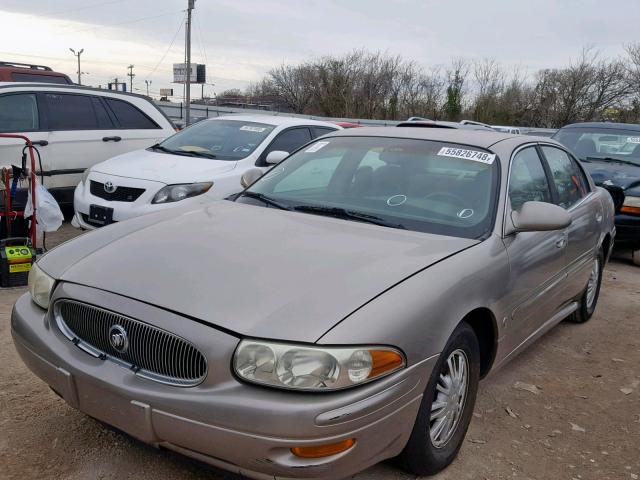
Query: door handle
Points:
[111, 139]
[562, 242]
[598, 217]
[42, 143]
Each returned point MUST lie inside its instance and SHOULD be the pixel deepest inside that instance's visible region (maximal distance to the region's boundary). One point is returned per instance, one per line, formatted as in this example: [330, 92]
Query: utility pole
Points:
[148, 82]
[131, 75]
[190, 7]
[78, 55]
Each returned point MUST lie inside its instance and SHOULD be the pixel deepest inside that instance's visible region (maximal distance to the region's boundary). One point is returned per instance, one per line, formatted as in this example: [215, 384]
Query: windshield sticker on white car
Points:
[633, 139]
[465, 154]
[249, 128]
[316, 146]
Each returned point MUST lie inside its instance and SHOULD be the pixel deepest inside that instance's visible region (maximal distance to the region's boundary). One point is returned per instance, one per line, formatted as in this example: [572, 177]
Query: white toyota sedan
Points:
[200, 163]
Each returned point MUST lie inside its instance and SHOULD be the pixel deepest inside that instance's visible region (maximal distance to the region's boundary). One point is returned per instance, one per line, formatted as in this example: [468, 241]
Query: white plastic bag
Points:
[48, 213]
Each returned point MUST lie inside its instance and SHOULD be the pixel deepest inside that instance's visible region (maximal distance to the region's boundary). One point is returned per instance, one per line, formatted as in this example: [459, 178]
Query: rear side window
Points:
[568, 182]
[29, 77]
[528, 181]
[129, 116]
[19, 113]
[319, 131]
[70, 112]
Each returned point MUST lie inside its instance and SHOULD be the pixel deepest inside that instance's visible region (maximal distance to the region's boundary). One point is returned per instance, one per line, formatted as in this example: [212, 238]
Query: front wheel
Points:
[447, 406]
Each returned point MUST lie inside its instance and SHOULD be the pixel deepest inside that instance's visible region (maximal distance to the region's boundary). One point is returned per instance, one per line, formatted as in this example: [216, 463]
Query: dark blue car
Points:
[611, 154]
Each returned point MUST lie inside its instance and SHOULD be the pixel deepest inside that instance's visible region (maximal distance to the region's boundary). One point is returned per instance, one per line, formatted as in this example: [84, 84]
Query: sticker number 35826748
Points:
[475, 155]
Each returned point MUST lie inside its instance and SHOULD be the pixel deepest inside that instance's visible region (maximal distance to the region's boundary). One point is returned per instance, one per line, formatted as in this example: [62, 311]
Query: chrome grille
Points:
[151, 352]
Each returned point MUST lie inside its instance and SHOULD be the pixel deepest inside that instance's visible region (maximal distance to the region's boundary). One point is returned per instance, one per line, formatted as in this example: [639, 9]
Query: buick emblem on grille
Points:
[118, 338]
[109, 187]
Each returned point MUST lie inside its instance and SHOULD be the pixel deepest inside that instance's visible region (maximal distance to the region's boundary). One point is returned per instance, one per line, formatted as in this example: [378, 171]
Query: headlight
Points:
[300, 367]
[85, 175]
[40, 286]
[631, 201]
[631, 205]
[175, 193]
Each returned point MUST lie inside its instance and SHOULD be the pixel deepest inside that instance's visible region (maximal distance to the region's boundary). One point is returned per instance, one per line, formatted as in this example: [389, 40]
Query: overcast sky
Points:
[239, 40]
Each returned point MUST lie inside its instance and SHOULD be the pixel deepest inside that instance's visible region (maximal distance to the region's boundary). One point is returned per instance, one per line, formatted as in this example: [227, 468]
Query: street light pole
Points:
[190, 7]
[131, 75]
[78, 55]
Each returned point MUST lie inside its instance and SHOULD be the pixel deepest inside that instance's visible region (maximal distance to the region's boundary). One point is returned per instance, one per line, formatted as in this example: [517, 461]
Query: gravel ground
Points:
[584, 422]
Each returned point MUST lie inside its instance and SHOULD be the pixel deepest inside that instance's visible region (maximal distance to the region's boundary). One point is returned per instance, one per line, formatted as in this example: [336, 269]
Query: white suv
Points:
[75, 127]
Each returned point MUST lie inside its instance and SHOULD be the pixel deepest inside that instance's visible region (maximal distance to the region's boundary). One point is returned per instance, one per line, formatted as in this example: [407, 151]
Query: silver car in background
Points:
[339, 312]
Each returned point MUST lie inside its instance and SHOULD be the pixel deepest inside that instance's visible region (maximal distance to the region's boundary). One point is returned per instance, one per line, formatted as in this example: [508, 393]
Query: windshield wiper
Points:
[611, 159]
[265, 199]
[191, 153]
[157, 146]
[348, 215]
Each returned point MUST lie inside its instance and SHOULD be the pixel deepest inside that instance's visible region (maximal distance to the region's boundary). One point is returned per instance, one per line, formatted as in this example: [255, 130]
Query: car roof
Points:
[606, 125]
[479, 138]
[62, 86]
[276, 120]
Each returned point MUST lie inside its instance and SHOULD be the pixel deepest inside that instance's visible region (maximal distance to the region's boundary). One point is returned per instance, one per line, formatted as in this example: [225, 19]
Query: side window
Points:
[130, 116]
[565, 177]
[290, 140]
[101, 113]
[581, 176]
[18, 113]
[528, 181]
[70, 112]
[319, 131]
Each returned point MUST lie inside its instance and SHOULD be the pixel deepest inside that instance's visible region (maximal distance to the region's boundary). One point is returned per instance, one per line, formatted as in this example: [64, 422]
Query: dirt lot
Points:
[584, 423]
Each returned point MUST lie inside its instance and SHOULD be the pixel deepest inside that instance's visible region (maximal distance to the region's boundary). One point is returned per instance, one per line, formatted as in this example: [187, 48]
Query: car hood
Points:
[256, 271]
[625, 176]
[163, 167]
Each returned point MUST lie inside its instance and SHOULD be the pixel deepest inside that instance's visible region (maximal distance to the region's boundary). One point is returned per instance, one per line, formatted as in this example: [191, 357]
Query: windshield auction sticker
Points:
[465, 154]
[249, 128]
[316, 146]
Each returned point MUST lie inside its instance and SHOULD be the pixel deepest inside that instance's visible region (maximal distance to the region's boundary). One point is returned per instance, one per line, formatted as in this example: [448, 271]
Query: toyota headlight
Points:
[40, 286]
[299, 367]
[175, 193]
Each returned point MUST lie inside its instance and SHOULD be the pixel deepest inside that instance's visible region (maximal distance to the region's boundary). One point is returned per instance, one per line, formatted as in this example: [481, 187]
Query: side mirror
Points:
[540, 217]
[617, 194]
[276, 157]
[250, 176]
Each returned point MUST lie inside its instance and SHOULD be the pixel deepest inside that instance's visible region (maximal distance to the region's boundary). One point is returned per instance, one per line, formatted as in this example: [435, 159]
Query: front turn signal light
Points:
[320, 451]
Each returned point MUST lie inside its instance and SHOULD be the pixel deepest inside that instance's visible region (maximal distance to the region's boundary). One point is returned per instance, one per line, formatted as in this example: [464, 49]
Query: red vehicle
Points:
[347, 124]
[22, 72]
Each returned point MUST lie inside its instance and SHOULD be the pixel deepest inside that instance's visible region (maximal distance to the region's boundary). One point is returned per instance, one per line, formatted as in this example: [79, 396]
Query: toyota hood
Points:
[163, 167]
[256, 271]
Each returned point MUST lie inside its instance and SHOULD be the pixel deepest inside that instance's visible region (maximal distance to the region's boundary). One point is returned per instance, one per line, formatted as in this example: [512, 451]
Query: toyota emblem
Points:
[109, 187]
[118, 338]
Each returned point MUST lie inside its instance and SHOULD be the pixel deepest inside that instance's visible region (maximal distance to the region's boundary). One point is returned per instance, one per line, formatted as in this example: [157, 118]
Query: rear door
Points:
[136, 129]
[537, 259]
[572, 192]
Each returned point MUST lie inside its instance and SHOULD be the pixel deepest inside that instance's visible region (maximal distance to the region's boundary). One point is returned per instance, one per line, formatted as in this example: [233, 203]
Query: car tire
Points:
[589, 298]
[635, 257]
[428, 452]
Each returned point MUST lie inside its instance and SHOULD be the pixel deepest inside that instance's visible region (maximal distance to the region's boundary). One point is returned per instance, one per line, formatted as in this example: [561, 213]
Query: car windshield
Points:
[420, 185]
[606, 144]
[217, 139]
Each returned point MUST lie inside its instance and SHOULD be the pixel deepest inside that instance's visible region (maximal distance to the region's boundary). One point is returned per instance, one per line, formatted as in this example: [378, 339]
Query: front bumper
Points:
[628, 230]
[83, 199]
[239, 427]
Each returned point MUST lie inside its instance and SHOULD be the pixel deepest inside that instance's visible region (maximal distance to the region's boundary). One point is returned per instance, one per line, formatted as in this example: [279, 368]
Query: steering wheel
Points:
[446, 195]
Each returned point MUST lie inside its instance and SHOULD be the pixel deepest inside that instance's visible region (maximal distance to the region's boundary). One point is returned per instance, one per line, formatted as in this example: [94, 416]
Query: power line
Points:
[202, 47]
[97, 27]
[175, 35]
[86, 7]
